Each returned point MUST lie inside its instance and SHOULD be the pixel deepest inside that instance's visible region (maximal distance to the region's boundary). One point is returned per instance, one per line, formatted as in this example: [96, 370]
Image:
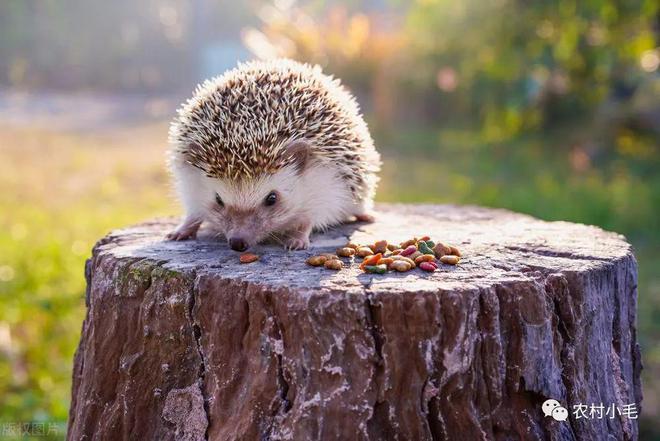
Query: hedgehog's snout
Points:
[238, 244]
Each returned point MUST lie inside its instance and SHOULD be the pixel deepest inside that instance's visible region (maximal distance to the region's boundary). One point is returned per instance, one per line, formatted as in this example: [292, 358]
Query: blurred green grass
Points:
[60, 192]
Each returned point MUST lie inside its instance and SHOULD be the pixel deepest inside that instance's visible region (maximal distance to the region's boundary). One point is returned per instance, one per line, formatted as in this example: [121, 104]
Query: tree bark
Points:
[181, 342]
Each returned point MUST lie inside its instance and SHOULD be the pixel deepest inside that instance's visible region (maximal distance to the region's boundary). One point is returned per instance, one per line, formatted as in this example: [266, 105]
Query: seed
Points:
[430, 243]
[428, 266]
[425, 258]
[440, 249]
[392, 247]
[370, 260]
[454, 251]
[451, 259]
[397, 251]
[248, 258]
[424, 248]
[378, 269]
[352, 245]
[333, 264]
[364, 252]
[415, 255]
[400, 266]
[424, 238]
[345, 252]
[385, 261]
[329, 256]
[409, 250]
[316, 260]
[380, 246]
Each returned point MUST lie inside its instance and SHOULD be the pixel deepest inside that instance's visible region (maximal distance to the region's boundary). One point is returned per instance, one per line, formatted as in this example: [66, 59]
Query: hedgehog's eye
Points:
[270, 199]
[218, 199]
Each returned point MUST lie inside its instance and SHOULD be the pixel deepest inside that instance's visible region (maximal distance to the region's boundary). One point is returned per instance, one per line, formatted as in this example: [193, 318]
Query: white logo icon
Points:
[560, 413]
[555, 410]
[548, 406]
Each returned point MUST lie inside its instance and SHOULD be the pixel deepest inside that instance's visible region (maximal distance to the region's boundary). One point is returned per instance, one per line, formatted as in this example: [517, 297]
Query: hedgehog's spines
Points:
[237, 125]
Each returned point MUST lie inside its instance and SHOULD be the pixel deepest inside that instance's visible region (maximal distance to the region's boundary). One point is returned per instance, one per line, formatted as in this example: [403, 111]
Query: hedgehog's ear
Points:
[299, 150]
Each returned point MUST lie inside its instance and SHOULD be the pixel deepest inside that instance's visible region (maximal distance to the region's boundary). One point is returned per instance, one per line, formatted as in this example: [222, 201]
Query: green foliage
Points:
[519, 65]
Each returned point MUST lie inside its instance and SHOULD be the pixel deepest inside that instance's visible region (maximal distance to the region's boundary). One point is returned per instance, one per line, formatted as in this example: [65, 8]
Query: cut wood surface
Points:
[182, 342]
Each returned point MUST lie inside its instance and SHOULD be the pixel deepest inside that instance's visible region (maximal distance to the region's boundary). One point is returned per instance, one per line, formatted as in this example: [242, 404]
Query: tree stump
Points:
[181, 342]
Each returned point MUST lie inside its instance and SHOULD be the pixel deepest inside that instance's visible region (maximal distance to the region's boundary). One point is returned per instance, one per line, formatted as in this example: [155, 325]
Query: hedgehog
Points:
[271, 150]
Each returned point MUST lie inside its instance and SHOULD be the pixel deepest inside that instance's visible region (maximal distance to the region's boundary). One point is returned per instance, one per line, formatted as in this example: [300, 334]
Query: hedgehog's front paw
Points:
[296, 243]
[187, 230]
[179, 235]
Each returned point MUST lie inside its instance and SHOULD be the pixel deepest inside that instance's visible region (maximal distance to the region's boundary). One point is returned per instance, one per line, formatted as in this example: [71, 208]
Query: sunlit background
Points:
[550, 108]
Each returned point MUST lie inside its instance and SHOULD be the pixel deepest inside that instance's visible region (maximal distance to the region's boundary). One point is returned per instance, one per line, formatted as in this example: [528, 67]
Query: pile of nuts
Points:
[382, 256]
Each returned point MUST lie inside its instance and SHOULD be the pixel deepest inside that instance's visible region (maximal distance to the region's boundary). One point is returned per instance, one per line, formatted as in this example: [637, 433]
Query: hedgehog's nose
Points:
[237, 244]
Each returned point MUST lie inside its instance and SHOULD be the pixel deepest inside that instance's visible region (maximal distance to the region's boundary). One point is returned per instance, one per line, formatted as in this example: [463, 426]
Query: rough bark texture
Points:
[183, 342]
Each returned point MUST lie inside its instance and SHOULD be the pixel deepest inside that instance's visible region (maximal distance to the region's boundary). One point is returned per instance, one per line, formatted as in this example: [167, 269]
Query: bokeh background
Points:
[550, 108]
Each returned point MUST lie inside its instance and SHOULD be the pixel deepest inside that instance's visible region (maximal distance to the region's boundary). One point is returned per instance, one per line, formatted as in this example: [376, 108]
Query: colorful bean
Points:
[409, 250]
[377, 269]
[428, 266]
[424, 248]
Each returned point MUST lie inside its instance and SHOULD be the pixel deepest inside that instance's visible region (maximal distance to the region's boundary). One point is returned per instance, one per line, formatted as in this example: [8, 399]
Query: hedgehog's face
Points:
[249, 212]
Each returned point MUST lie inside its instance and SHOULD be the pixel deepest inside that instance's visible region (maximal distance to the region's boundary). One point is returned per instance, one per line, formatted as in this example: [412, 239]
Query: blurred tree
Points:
[507, 66]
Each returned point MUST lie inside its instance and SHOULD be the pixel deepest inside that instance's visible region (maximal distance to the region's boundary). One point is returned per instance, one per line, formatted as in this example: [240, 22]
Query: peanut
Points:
[415, 255]
[425, 258]
[400, 266]
[440, 249]
[333, 264]
[454, 251]
[407, 243]
[364, 251]
[450, 259]
[345, 252]
[316, 260]
[405, 259]
[380, 246]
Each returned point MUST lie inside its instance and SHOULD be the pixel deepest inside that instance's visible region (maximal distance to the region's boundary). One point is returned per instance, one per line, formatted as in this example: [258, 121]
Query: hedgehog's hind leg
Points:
[363, 212]
[186, 230]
